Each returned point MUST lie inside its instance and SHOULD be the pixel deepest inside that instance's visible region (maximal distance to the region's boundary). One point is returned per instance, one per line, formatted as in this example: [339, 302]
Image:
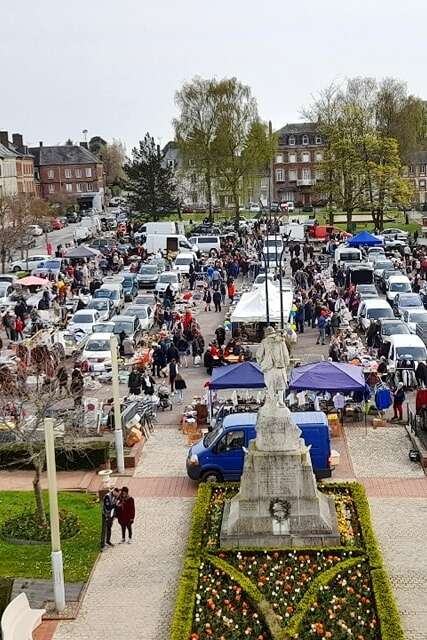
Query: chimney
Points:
[84, 144]
[17, 140]
[41, 143]
[4, 138]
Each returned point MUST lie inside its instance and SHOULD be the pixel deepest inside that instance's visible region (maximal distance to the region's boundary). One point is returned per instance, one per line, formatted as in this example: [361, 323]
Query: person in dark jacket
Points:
[159, 361]
[398, 400]
[125, 510]
[220, 335]
[77, 386]
[134, 382]
[108, 505]
[180, 385]
[217, 300]
[147, 384]
[173, 372]
[172, 353]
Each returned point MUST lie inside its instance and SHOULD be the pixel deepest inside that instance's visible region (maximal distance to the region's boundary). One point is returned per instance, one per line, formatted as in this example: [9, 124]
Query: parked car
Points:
[220, 454]
[364, 291]
[73, 217]
[144, 314]
[404, 347]
[6, 291]
[395, 285]
[147, 276]
[172, 278]
[392, 326]
[183, 261]
[381, 264]
[97, 351]
[84, 319]
[373, 309]
[412, 317]
[145, 300]
[27, 264]
[57, 224]
[104, 306]
[130, 286]
[206, 244]
[116, 294]
[404, 301]
[130, 325]
[35, 230]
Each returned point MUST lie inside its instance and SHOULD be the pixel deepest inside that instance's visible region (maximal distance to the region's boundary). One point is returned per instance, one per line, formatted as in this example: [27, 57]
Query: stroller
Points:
[164, 398]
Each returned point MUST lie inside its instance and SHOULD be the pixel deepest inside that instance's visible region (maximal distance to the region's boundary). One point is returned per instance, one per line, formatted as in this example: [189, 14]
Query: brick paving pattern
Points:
[164, 454]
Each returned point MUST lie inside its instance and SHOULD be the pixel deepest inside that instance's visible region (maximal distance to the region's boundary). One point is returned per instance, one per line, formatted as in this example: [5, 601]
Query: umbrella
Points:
[34, 281]
[327, 376]
[81, 252]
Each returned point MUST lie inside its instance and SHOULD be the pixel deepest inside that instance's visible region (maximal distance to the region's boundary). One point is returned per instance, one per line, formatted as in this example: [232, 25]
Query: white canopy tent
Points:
[251, 306]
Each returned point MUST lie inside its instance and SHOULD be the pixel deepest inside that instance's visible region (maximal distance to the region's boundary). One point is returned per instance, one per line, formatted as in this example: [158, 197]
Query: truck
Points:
[220, 456]
[174, 243]
[163, 228]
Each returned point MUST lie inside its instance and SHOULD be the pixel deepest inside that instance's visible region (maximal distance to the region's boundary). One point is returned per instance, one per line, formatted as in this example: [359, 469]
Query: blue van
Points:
[220, 454]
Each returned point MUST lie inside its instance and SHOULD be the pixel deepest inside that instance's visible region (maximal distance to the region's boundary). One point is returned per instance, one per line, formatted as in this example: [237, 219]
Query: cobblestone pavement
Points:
[133, 590]
[164, 454]
[381, 453]
[401, 525]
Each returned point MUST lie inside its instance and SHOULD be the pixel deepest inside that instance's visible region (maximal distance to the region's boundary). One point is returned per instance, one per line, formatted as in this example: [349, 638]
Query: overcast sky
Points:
[112, 66]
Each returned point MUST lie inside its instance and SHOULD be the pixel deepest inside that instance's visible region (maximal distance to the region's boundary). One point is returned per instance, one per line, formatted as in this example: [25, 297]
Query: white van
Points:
[162, 227]
[183, 261]
[207, 244]
[373, 309]
[172, 278]
[395, 285]
[294, 231]
[345, 254]
[175, 243]
[405, 346]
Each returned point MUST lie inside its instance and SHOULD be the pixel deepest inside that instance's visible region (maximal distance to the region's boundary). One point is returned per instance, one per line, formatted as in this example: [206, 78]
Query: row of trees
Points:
[370, 129]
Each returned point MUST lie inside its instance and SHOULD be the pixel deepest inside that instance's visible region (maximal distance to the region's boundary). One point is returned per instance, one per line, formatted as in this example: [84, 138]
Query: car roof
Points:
[376, 303]
[111, 285]
[185, 254]
[399, 279]
[82, 312]
[99, 336]
[122, 317]
[240, 420]
[405, 340]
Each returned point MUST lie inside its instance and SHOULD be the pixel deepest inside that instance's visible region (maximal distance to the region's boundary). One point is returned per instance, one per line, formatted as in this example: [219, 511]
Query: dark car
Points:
[72, 217]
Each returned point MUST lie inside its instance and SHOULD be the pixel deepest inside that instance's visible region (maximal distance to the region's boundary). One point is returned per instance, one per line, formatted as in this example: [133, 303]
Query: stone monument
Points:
[278, 503]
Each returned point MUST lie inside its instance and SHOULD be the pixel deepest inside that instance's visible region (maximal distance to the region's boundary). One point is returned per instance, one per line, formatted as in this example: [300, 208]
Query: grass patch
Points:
[33, 561]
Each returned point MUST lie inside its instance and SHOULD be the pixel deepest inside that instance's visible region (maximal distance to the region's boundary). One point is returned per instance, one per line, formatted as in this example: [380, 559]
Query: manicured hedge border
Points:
[6, 586]
[87, 455]
[185, 603]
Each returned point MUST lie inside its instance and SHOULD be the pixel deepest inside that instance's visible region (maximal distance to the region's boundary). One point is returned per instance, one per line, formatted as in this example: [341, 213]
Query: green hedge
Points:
[6, 586]
[88, 455]
[388, 614]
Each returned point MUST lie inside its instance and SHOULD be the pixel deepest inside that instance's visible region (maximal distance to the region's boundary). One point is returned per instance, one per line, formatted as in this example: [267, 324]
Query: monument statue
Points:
[273, 358]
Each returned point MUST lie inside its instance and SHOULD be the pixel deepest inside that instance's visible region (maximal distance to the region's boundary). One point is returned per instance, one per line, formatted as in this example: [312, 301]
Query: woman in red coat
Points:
[125, 511]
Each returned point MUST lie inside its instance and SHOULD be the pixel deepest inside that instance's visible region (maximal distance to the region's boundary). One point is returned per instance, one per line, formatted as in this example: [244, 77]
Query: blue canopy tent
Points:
[327, 376]
[243, 375]
[364, 238]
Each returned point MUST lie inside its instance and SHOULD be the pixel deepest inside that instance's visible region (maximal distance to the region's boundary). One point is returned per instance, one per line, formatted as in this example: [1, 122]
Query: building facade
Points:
[70, 171]
[416, 172]
[24, 170]
[296, 164]
[8, 177]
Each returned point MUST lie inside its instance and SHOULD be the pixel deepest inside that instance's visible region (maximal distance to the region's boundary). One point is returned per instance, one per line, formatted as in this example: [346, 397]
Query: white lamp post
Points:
[57, 564]
[118, 433]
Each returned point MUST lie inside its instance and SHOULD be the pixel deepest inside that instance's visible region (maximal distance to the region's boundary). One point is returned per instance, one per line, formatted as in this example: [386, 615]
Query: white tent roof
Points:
[251, 306]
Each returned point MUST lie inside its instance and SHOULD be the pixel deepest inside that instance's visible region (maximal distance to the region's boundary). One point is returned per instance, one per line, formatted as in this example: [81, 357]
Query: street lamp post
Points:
[57, 564]
[282, 315]
[267, 304]
[118, 433]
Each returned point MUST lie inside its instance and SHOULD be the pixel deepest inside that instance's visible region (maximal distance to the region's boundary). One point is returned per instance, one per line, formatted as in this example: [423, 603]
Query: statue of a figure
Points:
[273, 358]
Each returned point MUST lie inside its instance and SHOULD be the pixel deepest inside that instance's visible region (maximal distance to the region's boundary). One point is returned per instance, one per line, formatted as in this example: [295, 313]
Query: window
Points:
[88, 172]
[319, 156]
[51, 188]
[292, 157]
[411, 170]
[318, 139]
[292, 141]
[78, 187]
[292, 175]
[78, 173]
[89, 186]
[422, 169]
[279, 175]
[288, 196]
[305, 139]
[306, 174]
[51, 173]
[279, 158]
[232, 441]
[68, 187]
[306, 156]
[67, 173]
[422, 184]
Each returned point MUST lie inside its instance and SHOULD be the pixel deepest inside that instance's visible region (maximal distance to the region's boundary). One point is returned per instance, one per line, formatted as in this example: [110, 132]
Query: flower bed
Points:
[284, 594]
[26, 527]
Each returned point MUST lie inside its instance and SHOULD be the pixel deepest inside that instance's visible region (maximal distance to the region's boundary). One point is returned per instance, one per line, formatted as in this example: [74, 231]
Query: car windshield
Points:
[99, 305]
[3, 291]
[150, 270]
[416, 353]
[410, 301]
[400, 286]
[97, 345]
[168, 277]
[102, 293]
[350, 257]
[123, 325]
[394, 328]
[138, 312]
[128, 282]
[103, 327]
[183, 260]
[375, 314]
[83, 318]
[387, 264]
[114, 294]
[418, 317]
[210, 437]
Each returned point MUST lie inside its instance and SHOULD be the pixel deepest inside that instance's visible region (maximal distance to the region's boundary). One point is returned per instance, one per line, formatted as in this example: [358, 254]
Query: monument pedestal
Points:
[278, 503]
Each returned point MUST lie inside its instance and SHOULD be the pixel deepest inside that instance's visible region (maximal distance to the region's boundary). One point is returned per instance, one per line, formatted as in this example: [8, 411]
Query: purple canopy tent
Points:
[327, 376]
[243, 375]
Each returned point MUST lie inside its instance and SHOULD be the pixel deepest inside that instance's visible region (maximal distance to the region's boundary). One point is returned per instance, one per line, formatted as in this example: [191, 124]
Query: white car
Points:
[35, 230]
[404, 347]
[394, 234]
[27, 264]
[144, 314]
[260, 281]
[84, 319]
[104, 306]
[103, 327]
[183, 261]
[395, 285]
[373, 309]
[412, 318]
[6, 291]
[172, 278]
[97, 350]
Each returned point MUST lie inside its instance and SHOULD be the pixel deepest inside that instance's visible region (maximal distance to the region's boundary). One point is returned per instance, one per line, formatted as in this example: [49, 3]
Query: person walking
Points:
[180, 385]
[231, 291]
[217, 300]
[125, 510]
[223, 291]
[19, 328]
[398, 400]
[109, 502]
[321, 325]
[173, 372]
[134, 382]
[207, 298]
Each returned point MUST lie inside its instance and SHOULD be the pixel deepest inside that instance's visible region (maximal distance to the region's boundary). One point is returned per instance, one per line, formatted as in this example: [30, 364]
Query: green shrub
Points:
[26, 526]
[6, 586]
[388, 614]
[88, 455]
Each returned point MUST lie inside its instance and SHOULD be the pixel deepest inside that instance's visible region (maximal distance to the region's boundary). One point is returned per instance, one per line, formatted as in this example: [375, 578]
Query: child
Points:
[180, 386]
[173, 372]
[207, 297]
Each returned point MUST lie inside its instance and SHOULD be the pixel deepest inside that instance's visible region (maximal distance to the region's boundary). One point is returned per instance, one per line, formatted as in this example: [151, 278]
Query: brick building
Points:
[70, 170]
[416, 172]
[23, 164]
[295, 166]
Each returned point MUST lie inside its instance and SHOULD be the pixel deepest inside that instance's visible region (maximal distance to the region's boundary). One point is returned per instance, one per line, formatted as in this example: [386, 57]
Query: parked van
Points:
[162, 227]
[395, 285]
[220, 454]
[183, 261]
[404, 347]
[293, 230]
[167, 242]
[207, 244]
[346, 255]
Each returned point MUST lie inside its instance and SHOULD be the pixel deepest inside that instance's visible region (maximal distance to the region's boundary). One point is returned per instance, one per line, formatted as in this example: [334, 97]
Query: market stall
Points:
[364, 239]
[245, 375]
